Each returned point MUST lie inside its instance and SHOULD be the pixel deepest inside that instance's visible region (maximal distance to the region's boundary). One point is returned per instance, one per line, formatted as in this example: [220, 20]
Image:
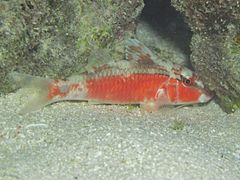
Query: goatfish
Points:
[138, 79]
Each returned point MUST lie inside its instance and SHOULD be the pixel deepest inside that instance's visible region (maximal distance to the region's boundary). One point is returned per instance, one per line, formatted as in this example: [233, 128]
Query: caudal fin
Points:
[38, 83]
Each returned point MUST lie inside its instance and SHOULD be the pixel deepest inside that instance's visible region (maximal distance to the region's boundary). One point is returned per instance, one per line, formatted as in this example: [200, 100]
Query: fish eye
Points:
[187, 82]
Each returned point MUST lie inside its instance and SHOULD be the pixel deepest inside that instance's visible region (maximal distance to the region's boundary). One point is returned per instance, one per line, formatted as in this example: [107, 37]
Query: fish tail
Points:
[38, 83]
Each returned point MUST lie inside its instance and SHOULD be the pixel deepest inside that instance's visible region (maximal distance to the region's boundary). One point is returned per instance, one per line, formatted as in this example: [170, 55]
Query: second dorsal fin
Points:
[137, 51]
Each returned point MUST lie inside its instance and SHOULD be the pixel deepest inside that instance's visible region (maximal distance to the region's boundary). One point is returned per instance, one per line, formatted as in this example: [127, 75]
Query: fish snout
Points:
[205, 97]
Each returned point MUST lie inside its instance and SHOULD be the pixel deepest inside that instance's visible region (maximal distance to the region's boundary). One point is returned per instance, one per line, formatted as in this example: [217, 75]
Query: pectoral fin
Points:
[150, 106]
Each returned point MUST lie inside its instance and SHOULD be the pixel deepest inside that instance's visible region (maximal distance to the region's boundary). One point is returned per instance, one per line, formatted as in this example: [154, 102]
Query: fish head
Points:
[191, 90]
[183, 85]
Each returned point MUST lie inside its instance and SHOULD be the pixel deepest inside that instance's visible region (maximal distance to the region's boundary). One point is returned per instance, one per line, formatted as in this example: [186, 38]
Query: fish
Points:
[137, 79]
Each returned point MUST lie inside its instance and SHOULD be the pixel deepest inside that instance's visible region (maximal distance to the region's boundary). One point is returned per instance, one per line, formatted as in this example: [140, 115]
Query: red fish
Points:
[136, 80]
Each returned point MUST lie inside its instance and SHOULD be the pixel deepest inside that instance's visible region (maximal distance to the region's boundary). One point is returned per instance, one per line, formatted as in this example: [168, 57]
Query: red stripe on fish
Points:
[134, 88]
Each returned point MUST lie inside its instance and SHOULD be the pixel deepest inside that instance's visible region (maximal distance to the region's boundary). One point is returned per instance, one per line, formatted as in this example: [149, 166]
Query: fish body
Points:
[136, 80]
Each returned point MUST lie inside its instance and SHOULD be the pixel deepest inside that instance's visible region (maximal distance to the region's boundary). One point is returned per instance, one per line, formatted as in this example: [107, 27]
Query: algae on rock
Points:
[56, 38]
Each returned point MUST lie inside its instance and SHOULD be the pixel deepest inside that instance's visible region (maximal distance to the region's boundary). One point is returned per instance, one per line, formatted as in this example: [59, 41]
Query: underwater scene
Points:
[115, 89]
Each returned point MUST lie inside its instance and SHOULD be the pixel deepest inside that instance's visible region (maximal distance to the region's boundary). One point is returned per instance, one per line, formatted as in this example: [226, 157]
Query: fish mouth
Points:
[205, 96]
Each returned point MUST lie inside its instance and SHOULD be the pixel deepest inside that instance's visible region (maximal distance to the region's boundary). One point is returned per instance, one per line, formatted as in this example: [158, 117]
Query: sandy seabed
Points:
[74, 140]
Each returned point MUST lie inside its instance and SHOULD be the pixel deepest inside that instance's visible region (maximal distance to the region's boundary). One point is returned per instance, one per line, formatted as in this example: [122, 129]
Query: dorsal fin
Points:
[137, 51]
[96, 59]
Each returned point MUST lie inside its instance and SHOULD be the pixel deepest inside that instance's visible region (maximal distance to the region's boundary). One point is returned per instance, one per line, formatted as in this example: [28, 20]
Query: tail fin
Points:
[39, 83]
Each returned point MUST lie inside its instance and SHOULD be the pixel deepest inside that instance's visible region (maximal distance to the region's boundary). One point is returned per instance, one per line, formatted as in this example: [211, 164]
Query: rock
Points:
[215, 46]
[55, 38]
